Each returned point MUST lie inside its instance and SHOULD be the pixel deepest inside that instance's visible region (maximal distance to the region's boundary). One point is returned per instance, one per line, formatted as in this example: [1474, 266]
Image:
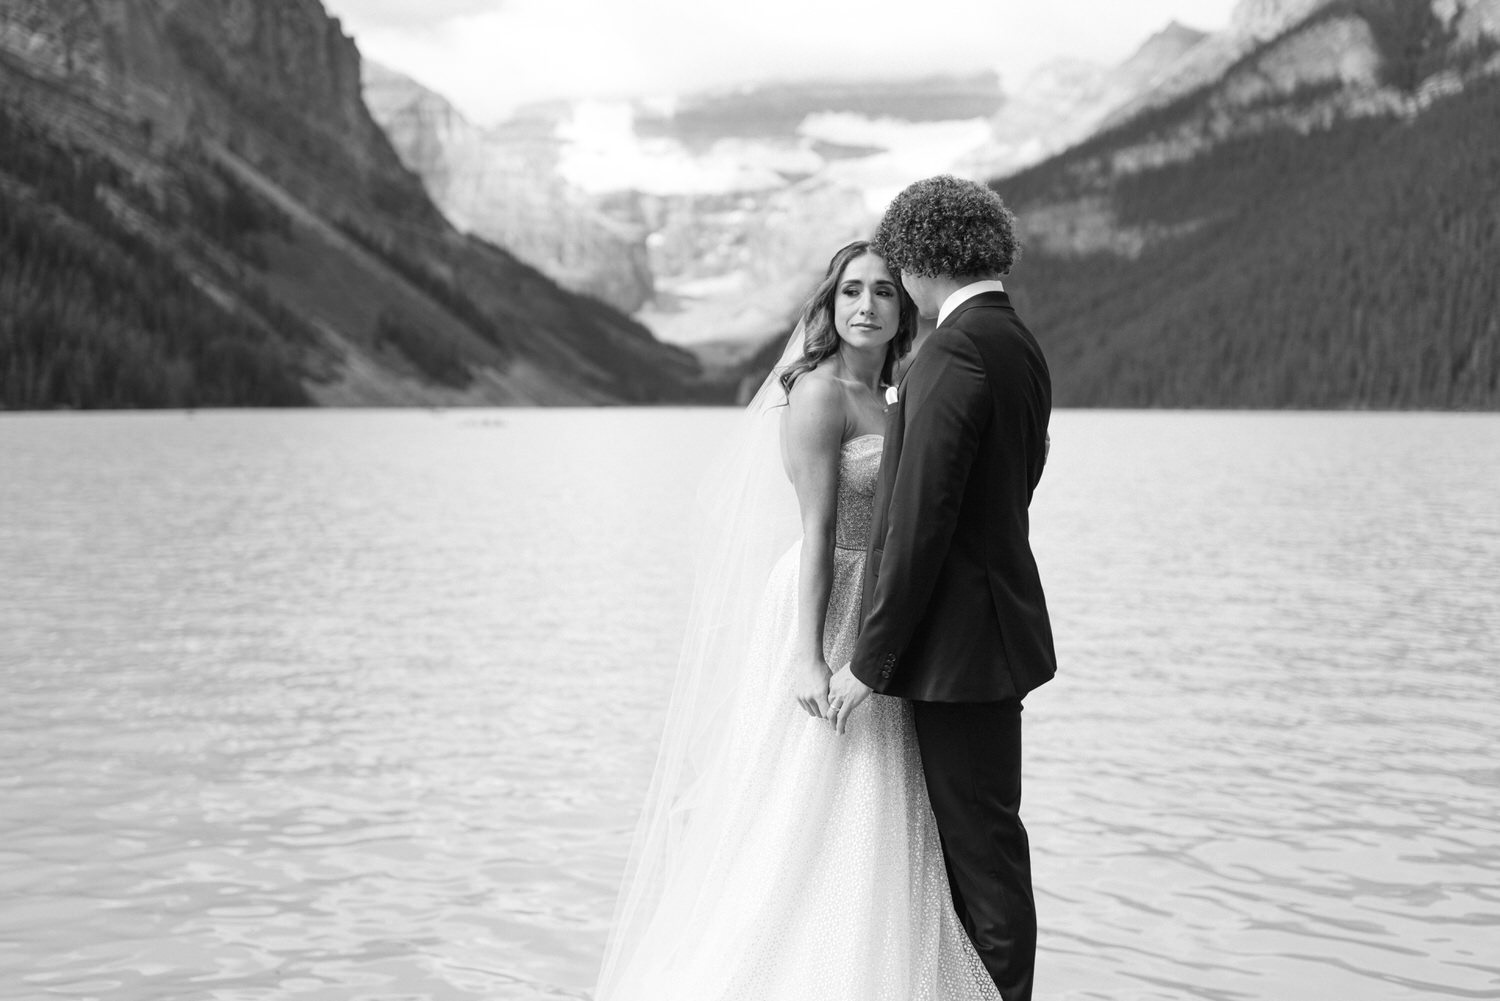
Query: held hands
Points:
[845, 693]
[810, 687]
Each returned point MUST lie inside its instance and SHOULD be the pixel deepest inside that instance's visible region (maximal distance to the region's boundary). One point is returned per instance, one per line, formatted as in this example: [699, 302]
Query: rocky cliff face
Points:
[1259, 20]
[1340, 52]
[504, 185]
[1474, 20]
[286, 52]
[238, 169]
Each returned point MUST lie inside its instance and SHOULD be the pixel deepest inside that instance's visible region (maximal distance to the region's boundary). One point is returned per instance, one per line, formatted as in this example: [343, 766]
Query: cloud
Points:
[396, 14]
[488, 56]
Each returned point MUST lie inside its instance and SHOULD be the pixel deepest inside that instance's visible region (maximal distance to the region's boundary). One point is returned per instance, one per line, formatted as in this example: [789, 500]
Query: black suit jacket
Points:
[954, 610]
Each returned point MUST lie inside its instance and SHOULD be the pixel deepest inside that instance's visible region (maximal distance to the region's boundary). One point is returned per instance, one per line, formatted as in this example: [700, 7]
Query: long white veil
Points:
[747, 517]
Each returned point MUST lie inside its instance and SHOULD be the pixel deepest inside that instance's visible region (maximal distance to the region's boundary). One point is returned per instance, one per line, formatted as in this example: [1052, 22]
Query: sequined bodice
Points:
[859, 468]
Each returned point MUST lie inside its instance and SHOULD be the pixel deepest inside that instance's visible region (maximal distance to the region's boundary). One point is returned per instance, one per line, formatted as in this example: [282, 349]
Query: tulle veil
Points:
[746, 519]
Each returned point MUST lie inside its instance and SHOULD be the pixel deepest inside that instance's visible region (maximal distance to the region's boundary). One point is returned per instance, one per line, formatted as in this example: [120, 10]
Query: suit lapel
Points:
[890, 456]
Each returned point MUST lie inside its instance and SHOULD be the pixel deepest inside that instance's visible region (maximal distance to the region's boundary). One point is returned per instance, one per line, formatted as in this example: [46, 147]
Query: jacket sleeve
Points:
[948, 405]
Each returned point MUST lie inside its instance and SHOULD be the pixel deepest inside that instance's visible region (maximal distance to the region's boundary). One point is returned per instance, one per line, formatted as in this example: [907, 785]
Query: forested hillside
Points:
[1319, 226]
[1354, 267]
[95, 315]
[196, 209]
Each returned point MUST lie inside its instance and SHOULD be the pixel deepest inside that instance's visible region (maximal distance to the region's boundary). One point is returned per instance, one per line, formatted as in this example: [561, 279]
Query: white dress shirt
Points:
[966, 293]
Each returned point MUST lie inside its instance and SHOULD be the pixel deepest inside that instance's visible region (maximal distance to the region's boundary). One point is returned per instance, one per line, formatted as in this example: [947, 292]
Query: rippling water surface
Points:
[360, 704]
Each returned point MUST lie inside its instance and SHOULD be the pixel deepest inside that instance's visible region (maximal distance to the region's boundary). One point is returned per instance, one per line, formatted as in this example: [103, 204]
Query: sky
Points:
[488, 56]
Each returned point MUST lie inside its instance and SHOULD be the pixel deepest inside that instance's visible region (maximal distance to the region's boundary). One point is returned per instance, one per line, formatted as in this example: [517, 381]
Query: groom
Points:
[955, 620]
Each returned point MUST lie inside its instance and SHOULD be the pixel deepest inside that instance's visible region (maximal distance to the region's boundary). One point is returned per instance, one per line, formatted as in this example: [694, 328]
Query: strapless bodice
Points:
[859, 469]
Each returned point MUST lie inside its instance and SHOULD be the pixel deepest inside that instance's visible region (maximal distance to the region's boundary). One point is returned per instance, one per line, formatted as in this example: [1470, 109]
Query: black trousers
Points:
[971, 754]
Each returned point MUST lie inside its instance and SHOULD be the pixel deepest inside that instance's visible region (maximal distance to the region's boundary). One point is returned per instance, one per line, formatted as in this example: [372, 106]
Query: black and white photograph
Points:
[685, 500]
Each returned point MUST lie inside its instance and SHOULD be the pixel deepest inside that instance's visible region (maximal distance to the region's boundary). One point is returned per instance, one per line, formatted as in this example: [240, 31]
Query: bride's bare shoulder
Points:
[817, 398]
[816, 387]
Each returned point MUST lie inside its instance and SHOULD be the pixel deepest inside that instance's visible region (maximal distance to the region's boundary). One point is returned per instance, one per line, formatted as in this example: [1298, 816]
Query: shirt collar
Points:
[966, 293]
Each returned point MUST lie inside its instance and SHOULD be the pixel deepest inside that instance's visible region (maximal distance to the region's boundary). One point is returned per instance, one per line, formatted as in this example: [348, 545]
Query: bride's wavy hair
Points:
[820, 338]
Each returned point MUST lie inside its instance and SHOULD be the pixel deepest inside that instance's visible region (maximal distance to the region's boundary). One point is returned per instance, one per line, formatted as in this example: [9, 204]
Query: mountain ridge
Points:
[507, 189]
[1064, 101]
[1297, 232]
[233, 153]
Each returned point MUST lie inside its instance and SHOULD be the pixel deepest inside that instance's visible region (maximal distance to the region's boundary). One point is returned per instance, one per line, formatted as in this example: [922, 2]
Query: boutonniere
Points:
[891, 396]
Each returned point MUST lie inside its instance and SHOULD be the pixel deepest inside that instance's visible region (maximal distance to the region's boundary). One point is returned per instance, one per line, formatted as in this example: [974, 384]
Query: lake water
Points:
[359, 704]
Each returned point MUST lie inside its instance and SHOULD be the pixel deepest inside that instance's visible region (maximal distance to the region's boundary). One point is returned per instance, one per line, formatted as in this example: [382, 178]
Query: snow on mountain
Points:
[899, 151]
[601, 151]
[735, 199]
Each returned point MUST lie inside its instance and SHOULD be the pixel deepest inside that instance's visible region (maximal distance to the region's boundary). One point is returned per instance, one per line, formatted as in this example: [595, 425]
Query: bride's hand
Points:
[810, 687]
[845, 692]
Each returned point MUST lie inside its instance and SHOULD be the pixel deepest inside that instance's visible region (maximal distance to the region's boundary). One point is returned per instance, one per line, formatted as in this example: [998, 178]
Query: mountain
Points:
[746, 193]
[1316, 225]
[1066, 100]
[504, 185]
[709, 216]
[1252, 23]
[197, 209]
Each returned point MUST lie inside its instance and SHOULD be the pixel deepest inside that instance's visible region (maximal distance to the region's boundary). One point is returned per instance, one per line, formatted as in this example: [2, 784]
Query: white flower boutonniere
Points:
[891, 396]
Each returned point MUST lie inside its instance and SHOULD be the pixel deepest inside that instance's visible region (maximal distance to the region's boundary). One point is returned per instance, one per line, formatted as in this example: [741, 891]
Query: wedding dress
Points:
[818, 874]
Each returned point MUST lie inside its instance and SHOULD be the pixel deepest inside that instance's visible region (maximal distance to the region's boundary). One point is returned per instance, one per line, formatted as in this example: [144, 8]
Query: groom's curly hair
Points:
[948, 226]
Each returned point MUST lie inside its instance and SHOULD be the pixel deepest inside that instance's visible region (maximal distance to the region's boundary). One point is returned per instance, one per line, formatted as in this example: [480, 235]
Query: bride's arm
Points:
[814, 428]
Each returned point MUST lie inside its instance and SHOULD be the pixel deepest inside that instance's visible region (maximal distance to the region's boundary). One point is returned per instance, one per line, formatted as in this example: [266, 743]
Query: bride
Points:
[778, 859]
